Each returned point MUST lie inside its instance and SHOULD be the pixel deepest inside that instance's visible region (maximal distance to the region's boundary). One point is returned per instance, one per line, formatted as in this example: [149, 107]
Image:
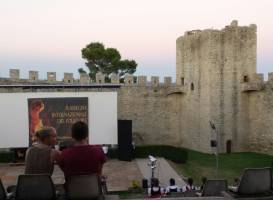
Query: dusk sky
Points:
[48, 35]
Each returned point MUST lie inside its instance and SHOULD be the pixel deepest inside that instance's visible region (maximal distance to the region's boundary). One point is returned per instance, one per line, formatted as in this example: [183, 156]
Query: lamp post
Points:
[153, 165]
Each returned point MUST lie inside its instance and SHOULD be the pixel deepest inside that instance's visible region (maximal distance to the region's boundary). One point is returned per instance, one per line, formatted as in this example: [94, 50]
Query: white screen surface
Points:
[14, 121]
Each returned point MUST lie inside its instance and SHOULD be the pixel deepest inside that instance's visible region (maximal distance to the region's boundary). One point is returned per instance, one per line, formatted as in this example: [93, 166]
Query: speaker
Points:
[144, 183]
[125, 148]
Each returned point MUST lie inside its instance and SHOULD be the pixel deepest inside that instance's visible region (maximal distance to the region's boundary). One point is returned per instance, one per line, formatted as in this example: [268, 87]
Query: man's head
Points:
[190, 181]
[47, 135]
[79, 131]
[204, 180]
[154, 182]
[172, 181]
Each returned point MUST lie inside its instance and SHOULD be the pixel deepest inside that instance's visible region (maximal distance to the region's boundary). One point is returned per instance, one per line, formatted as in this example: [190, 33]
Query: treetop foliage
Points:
[105, 60]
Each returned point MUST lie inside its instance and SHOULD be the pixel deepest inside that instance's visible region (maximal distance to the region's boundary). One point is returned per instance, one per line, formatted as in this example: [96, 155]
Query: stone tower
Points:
[210, 66]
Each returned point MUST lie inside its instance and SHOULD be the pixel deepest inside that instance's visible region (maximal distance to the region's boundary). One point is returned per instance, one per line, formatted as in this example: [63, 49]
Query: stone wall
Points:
[260, 115]
[210, 65]
[154, 112]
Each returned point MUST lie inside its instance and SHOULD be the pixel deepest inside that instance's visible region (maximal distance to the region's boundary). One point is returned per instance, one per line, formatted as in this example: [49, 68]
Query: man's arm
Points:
[26, 155]
[101, 158]
[56, 156]
[102, 155]
[167, 189]
[149, 192]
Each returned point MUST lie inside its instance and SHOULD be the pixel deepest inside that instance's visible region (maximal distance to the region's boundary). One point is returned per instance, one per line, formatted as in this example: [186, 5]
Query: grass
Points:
[137, 193]
[230, 165]
[175, 154]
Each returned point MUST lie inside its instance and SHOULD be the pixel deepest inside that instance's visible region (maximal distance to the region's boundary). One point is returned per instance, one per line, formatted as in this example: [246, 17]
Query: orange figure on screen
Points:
[36, 123]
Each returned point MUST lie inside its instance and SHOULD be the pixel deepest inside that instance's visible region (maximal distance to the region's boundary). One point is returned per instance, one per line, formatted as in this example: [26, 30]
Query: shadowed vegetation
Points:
[230, 165]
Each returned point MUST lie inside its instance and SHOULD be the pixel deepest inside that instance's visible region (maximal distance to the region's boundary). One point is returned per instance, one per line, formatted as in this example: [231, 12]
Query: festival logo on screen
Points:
[59, 113]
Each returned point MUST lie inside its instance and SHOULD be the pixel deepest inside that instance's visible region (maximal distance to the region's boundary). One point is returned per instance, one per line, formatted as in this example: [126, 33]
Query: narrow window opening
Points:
[192, 86]
[182, 81]
[245, 79]
[228, 146]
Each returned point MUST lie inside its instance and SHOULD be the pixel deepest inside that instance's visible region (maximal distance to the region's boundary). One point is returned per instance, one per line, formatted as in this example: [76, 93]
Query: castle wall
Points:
[261, 119]
[214, 62]
[236, 59]
[154, 113]
[192, 58]
[153, 107]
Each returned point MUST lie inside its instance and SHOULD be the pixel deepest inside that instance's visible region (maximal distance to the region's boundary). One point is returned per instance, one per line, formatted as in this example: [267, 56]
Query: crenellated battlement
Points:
[68, 78]
[233, 26]
[270, 80]
[255, 82]
[270, 76]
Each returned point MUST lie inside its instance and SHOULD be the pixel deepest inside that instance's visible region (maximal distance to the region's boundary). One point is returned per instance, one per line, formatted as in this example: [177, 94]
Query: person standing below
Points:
[172, 187]
[82, 158]
[204, 180]
[41, 156]
[155, 191]
[190, 186]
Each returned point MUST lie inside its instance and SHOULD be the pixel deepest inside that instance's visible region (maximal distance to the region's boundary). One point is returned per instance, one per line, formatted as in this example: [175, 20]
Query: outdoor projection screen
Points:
[18, 118]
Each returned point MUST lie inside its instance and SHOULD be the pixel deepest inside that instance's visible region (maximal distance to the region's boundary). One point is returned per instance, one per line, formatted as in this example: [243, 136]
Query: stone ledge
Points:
[250, 87]
[175, 90]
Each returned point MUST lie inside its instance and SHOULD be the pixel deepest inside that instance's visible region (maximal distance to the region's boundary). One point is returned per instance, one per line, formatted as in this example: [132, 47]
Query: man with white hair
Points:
[41, 156]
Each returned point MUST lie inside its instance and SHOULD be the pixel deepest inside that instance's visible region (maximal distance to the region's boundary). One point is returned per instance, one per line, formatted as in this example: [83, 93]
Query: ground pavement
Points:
[120, 174]
[163, 172]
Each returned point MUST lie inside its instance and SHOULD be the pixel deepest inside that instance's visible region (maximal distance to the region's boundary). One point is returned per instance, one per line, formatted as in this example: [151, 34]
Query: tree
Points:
[105, 60]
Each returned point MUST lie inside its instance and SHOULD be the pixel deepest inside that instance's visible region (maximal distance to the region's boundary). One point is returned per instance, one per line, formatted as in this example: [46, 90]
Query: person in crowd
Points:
[82, 158]
[40, 157]
[155, 191]
[234, 187]
[172, 187]
[236, 182]
[189, 186]
[204, 180]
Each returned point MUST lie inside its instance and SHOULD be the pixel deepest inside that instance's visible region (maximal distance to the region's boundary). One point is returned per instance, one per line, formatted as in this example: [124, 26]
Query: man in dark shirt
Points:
[82, 158]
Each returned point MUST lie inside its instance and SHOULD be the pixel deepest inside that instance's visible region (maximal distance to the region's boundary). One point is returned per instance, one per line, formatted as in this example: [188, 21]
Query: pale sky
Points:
[48, 35]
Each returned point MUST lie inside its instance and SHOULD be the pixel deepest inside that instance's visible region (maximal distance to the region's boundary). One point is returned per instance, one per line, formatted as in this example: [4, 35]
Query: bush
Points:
[175, 154]
[6, 156]
[112, 153]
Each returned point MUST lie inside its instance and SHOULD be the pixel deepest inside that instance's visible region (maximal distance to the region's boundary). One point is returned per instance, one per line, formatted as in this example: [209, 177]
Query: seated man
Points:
[155, 191]
[234, 187]
[172, 187]
[204, 180]
[82, 158]
[41, 156]
[189, 186]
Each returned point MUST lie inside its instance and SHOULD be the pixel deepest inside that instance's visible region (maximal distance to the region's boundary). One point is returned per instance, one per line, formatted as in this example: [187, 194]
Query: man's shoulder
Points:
[32, 147]
[39, 148]
[93, 149]
[80, 148]
[67, 151]
[96, 147]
